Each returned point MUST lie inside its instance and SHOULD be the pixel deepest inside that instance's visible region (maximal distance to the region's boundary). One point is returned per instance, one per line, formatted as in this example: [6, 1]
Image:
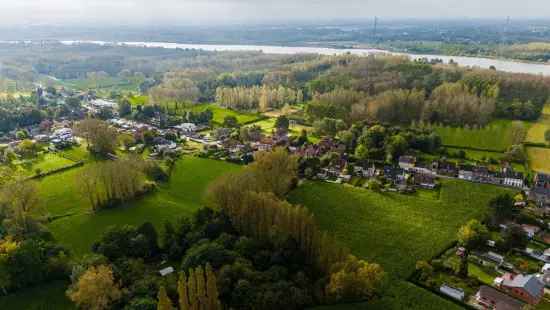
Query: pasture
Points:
[537, 130]
[75, 227]
[380, 227]
[539, 159]
[497, 136]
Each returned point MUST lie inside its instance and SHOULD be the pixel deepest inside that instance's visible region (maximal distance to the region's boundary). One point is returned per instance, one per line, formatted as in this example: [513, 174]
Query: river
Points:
[502, 65]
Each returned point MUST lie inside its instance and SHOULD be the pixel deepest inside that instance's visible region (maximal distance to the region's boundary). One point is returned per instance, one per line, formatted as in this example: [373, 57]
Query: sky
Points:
[186, 12]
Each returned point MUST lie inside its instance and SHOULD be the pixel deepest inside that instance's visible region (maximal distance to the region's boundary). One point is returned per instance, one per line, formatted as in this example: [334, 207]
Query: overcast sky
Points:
[182, 12]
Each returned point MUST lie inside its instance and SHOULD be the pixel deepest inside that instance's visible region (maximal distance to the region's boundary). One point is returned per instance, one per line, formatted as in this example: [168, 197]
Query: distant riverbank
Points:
[481, 62]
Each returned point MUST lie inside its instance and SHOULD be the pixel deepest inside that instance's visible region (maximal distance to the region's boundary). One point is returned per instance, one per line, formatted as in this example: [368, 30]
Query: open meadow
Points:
[219, 113]
[496, 136]
[75, 227]
[381, 227]
[537, 129]
[539, 159]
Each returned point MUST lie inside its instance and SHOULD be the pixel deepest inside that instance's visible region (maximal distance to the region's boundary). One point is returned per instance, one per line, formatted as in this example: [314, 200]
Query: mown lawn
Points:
[477, 272]
[497, 136]
[80, 228]
[537, 129]
[50, 296]
[396, 230]
[539, 159]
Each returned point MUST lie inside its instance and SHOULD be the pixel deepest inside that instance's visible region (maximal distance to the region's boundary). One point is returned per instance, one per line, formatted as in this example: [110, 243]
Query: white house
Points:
[186, 128]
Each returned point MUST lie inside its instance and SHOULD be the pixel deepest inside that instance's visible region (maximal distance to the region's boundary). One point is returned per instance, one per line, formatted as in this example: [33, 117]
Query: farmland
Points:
[380, 227]
[539, 159]
[76, 228]
[497, 136]
[537, 130]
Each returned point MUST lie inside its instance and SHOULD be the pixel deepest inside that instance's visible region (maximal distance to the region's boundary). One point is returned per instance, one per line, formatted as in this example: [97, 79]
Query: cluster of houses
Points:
[510, 289]
[58, 135]
[62, 138]
[409, 172]
[540, 191]
[95, 106]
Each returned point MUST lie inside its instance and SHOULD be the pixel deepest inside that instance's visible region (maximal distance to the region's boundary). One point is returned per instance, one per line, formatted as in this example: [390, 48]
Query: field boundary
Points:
[473, 148]
[539, 145]
[54, 171]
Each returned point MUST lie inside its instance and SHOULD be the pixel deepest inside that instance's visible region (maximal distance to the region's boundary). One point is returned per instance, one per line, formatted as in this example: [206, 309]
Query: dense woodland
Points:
[383, 88]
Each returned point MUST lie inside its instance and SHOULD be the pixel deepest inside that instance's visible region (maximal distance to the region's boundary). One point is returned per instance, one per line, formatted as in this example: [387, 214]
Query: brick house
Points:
[490, 298]
[527, 288]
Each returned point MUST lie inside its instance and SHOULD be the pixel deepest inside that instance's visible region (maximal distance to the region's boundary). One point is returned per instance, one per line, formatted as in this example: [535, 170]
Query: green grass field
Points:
[396, 230]
[77, 228]
[138, 100]
[77, 153]
[50, 296]
[268, 125]
[220, 113]
[537, 129]
[539, 159]
[104, 84]
[45, 163]
[497, 136]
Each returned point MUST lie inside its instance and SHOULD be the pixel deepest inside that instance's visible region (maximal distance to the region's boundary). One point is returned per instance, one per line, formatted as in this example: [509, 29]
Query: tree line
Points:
[257, 98]
[109, 183]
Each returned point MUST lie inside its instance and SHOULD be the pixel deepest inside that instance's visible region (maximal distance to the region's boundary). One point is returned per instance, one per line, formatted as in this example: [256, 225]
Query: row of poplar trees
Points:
[114, 181]
[196, 291]
[257, 98]
[253, 199]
